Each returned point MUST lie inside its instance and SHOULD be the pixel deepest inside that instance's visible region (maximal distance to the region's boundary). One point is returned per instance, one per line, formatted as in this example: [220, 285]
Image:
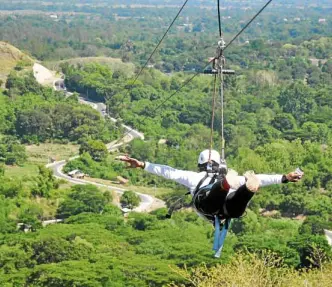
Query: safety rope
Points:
[220, 62]
[221, 91]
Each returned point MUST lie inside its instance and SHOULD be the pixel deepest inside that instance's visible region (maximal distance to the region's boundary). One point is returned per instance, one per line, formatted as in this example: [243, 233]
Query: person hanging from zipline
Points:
[216, 191]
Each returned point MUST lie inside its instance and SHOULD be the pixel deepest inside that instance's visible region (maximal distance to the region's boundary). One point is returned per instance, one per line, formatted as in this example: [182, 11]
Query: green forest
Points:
[278, 109]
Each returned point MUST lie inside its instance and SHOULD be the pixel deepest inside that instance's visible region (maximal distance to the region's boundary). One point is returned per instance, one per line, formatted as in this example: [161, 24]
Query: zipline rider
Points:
[215, 190]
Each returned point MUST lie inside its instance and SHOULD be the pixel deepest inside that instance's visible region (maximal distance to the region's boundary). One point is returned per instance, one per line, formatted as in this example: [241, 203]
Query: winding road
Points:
[146, 200]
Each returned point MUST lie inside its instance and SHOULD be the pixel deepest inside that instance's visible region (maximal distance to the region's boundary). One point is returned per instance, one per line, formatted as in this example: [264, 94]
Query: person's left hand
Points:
[294, 176]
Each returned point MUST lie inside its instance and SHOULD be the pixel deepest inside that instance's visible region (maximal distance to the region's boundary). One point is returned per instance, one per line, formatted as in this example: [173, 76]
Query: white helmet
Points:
[204, 156]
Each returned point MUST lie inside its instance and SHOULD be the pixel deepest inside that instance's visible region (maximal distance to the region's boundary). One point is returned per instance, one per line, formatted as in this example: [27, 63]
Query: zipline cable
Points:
[246, 26]
[219, 20]
[197, 73]
[160, 105]
[155, 49]
[163, 37]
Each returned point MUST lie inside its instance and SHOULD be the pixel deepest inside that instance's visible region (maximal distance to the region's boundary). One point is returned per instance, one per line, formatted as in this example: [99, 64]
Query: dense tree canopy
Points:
[278, 110]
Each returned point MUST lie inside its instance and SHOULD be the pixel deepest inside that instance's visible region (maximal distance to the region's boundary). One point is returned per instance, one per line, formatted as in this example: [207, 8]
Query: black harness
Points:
[200, 193]
[213, 179]
[178, 202]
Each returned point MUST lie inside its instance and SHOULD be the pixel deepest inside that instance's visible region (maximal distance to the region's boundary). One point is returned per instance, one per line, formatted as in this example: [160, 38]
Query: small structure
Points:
[52, 221]
[125, 211]
[76, 173]
[322, 20]
[23, 227]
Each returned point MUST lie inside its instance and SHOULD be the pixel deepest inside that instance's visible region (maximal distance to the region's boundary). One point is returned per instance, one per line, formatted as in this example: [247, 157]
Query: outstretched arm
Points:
[184, 177]
[277, 179]
[269, 179]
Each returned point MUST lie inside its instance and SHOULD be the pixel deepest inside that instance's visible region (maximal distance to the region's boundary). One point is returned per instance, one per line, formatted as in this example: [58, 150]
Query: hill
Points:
[115, 64]
[11, 57]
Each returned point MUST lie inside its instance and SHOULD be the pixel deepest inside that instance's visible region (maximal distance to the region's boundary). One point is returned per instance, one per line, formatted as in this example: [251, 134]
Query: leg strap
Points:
[220, 236]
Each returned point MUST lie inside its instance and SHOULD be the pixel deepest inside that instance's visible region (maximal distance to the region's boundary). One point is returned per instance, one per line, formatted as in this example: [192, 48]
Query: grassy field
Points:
[154, 191]
[41, 154]
[21, 171]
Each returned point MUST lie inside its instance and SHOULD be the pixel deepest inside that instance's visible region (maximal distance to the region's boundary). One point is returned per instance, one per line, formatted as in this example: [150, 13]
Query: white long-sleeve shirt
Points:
[191, 179]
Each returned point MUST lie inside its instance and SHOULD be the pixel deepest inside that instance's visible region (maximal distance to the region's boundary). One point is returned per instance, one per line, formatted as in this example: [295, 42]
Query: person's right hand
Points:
[133, 163]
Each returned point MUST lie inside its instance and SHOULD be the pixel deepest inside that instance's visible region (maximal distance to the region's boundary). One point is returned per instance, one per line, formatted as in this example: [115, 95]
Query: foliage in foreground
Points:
[249, 270]
[97, 246]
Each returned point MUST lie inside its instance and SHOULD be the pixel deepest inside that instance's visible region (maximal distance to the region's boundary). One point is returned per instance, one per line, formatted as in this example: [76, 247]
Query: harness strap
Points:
[220, 236]
[213, 179]
[199, 184]
[180, 199]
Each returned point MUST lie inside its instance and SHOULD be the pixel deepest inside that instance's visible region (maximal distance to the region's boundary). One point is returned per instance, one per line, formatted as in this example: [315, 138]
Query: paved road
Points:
[146, 200]
[101, 107]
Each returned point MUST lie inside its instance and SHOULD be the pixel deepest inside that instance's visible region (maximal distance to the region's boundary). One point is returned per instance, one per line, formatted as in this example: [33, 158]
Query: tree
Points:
[55, 249]
[130, 199]
[11, 188]
[45, 182]
[20, 85]
[95, 148]
[315, 225]
[11, 152]
[16, 154]
[34, 124]
[298, 100]
[83, 198]
[284, 122]
[308, 246]
[31, 216]
[6, 223]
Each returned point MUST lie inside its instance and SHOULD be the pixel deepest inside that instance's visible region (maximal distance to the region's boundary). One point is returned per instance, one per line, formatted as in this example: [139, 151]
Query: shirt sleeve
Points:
[184, 177]
[266, 179]
[269, 179]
